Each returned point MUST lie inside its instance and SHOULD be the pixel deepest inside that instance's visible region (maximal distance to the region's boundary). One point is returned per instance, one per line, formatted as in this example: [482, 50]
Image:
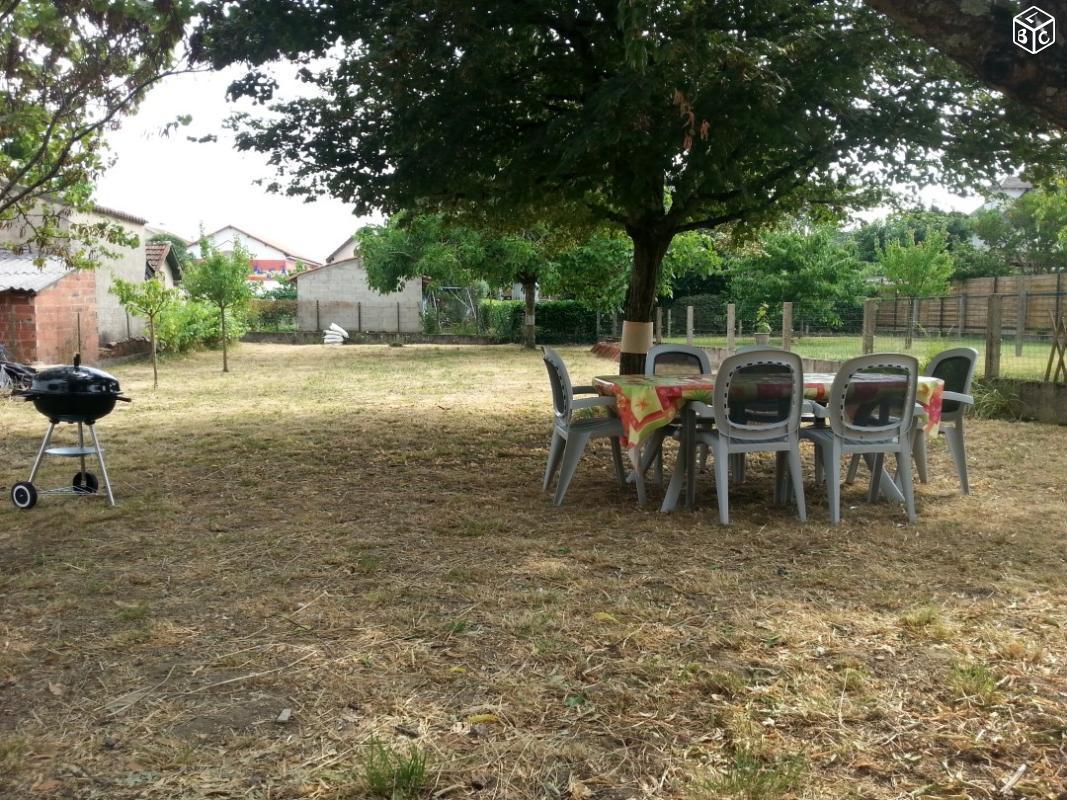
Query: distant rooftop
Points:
[289, 253]
[1013, 183]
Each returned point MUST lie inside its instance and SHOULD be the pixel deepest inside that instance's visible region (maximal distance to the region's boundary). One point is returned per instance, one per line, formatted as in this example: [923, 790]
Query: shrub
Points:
[191, 324]
[558, 321]
[272, 315]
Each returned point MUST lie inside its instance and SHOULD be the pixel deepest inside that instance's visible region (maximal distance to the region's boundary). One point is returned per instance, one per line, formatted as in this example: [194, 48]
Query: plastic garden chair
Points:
[956, 368]
[570, 436]
[671, 359]
[756, 408]
[871, 408]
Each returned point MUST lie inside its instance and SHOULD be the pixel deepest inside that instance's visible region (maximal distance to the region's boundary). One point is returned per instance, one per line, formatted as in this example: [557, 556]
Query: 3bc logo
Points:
[1034, 30]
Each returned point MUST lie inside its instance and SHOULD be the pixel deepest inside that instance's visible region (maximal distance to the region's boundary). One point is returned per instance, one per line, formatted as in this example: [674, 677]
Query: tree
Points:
[960, 231]
[70, 71]
[1028, 233]
[220, 279]
[656, 117]
[812, 267]
[915, 270]
[147, 300]
[979, 35]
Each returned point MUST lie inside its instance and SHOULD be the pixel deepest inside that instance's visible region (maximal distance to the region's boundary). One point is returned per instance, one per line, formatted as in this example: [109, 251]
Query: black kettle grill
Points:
[77, 395]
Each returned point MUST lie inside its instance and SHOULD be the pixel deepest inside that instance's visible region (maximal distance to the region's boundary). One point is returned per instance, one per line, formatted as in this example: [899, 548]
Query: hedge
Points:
[558, 321]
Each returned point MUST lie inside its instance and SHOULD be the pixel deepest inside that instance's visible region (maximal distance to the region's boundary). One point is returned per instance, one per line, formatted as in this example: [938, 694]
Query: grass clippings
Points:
[358, 535]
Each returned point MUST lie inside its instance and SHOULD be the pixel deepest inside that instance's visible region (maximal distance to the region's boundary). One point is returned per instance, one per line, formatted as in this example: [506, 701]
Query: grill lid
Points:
[74, 379]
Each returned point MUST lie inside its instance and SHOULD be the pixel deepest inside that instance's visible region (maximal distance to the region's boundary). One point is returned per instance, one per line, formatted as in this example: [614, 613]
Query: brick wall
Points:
[58, 309]
[18, 325]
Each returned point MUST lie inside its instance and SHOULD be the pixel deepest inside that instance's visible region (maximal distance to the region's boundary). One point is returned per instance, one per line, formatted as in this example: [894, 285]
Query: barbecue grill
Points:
[76, 395]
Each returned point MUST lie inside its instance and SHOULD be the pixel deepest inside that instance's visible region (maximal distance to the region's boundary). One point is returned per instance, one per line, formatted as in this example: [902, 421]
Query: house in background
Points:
[338, 291]
[270, 261]
[162, 263]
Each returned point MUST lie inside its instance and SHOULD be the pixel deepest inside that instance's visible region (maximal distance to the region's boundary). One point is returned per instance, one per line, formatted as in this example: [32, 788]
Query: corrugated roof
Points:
[19, 273]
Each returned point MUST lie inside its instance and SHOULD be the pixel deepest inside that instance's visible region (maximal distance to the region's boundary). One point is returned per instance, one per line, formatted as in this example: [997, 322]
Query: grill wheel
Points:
[24, 495]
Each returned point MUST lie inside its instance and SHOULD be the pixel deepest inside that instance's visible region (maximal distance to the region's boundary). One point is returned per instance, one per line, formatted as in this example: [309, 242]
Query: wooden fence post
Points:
[659, 325]
[870, 315]
[1020, 321]
[731, 328]
[992, 338]
[670, 319]
[689, 325]
[787, 325]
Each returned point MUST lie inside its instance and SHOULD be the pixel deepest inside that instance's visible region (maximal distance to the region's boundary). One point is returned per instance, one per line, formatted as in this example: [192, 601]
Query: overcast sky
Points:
[179, 185]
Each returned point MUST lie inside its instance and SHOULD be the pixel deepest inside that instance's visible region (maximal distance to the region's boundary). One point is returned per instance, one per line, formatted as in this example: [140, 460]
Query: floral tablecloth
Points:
[647, 403]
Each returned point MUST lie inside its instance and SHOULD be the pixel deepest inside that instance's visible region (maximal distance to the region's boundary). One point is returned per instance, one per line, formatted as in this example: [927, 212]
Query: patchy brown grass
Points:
[358, 535]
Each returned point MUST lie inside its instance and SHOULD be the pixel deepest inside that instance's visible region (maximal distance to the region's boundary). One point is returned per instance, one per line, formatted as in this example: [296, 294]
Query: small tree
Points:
[220, 279]
[916, 269]
[146, 300]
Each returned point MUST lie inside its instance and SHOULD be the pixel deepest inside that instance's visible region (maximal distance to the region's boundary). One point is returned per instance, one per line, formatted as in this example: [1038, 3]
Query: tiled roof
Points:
[155, 253]
[19, 273]
[123, 215]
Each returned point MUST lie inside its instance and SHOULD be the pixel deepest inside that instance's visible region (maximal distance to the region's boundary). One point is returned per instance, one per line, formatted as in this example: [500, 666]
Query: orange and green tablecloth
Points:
[646, 403]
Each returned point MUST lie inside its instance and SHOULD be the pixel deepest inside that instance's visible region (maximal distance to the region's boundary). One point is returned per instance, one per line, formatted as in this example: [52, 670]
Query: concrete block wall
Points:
[341, 294]
[128, 264]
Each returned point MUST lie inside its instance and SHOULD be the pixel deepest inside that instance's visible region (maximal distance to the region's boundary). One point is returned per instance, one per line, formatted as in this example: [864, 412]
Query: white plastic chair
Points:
[955, 367]
[681, 359]
[748, 419]
[871, 408]
[570, 436]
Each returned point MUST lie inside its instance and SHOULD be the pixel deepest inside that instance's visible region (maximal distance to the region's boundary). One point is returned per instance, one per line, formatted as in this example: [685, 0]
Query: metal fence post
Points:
[359, 316]
[318, 317]
[398, 316]
[992, 337]
[787, 325]
[79, 332]
[659, 325]
[689, 325]
[731, 328]
[870, 317]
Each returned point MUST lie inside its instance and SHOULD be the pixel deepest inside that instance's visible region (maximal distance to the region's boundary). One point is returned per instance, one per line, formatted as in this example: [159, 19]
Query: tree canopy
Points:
[71, 69]
[220, 279]
[655, 116]
[1029, 233]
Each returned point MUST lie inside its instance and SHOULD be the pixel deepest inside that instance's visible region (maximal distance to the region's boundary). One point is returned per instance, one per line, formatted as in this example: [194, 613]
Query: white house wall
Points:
[340, 293]
[224, 241]
[128, 264]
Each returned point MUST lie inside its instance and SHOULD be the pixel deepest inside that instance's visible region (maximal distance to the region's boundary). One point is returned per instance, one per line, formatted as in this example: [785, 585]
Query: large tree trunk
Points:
[529, 328]
[978, 34]
[225, 363]
[649, 249]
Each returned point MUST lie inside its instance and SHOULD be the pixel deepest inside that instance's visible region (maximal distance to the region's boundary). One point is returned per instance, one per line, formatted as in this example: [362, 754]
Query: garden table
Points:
[646, 403]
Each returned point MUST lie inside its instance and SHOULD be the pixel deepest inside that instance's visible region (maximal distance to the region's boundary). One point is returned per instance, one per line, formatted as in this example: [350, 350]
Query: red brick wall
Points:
[58, 308]
[18, 326]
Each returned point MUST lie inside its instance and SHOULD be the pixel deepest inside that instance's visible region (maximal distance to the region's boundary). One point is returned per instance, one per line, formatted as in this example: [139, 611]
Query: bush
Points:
[272, 315]
[190, 324]
[558, 321]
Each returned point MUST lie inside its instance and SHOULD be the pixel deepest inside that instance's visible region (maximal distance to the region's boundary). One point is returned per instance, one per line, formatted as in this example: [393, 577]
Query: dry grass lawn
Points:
[358, 536]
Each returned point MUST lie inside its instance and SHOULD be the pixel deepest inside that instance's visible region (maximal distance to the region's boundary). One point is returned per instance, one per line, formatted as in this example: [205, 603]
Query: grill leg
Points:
[103, 469]
[81, 443]
[40, 453]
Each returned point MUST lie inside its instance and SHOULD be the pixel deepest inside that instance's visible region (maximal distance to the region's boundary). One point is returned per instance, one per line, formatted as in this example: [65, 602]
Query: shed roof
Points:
[19, 273]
